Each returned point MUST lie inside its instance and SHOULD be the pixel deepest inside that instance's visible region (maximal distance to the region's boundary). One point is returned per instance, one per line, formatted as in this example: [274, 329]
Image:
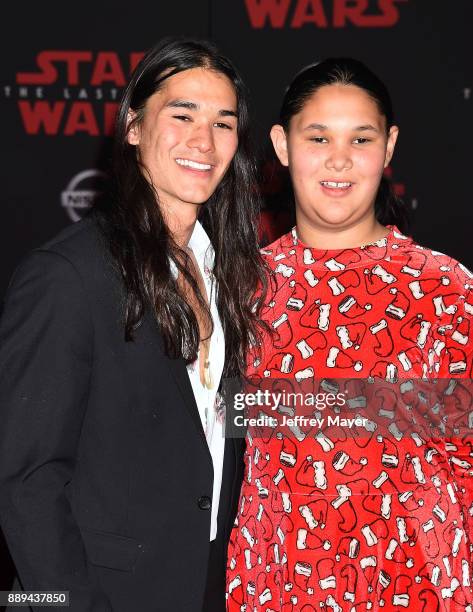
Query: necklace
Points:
[207, 378]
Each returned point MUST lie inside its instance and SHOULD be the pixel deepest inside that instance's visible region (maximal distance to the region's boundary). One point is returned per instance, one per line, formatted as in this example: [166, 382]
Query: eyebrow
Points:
[364, 128]
[360, 128]
[193, 106]
[316, 126]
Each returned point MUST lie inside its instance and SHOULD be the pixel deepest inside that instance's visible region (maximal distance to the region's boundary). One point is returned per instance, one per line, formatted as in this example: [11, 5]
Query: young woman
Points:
[379, 519]
[116, 483]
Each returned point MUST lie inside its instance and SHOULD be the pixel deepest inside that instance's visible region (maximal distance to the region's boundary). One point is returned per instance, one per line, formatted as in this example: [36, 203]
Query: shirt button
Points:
[204, 502]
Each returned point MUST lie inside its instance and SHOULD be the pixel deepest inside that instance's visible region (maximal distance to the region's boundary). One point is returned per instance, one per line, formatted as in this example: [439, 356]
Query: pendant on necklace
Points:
[208, 381]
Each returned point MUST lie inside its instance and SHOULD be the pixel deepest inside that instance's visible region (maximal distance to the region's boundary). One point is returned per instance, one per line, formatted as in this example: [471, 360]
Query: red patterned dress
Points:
[379, 522]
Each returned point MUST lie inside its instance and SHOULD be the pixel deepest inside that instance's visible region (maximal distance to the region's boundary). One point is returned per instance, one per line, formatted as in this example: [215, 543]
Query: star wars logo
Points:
[300, 13]
[71, 92]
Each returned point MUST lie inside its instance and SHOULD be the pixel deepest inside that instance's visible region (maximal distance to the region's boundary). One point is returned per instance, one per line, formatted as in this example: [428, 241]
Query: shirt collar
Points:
[200, 244]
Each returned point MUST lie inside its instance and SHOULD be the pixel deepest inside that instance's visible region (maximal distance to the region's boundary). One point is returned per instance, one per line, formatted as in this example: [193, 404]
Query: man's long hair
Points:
[141, 242]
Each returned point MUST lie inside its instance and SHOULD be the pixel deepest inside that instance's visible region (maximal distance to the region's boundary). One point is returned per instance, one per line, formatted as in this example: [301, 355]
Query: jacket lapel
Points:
[179, 372]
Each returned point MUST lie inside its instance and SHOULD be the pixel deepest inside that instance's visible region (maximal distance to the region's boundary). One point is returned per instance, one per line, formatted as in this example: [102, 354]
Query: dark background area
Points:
[422, 49]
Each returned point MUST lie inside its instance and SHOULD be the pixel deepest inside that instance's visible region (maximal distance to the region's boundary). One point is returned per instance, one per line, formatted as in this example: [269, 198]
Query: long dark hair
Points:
[143, 245]
[389, 209]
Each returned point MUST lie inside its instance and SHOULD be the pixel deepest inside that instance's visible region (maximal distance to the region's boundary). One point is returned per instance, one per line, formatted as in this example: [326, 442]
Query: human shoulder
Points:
[426, 263]
[446, 285]
[279, 250]
[79, 242]
[76, 256]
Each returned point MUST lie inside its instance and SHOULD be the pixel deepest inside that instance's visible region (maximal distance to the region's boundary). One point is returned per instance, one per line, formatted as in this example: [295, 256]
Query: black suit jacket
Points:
[105, 473]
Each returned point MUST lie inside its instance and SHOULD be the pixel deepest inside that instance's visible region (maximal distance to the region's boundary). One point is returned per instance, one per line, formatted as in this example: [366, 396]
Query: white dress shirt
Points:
[205, 398]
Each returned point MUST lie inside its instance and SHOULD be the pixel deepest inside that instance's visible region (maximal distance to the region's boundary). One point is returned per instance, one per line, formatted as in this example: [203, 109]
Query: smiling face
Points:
[336, 148]
[187, 138]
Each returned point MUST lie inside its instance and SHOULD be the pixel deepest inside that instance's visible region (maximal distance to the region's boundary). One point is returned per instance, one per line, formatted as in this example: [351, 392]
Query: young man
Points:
[116, 482]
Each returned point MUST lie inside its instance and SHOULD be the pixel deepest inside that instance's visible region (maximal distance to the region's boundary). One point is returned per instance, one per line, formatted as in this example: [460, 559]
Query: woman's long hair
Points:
[389, 209]
[142, 244]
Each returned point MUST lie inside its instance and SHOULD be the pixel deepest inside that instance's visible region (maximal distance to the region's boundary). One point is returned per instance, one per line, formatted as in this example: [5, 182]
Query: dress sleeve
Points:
[46, 343]
[456, 366]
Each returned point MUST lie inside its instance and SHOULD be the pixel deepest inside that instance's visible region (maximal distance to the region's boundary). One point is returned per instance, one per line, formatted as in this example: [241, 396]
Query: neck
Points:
[181, 223]
[339, 237]
[182, 234]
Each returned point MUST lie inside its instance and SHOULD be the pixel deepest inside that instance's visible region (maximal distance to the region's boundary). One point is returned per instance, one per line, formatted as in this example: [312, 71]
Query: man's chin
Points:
[197, 199]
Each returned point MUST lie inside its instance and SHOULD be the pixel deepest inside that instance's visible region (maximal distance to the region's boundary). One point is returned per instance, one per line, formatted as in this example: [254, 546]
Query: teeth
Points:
[193, 164]
[335, 185]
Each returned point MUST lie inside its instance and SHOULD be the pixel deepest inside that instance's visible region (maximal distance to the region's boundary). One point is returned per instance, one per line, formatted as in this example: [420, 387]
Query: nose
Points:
[338, 159]
[201, 138]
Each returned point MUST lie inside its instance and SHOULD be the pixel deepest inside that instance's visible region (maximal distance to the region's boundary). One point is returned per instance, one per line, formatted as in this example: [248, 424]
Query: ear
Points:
[279, 139]
[133, 131]
[392, 138]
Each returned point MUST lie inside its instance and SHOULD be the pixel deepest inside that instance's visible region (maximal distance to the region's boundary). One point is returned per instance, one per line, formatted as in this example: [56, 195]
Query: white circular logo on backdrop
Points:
[81, 192]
